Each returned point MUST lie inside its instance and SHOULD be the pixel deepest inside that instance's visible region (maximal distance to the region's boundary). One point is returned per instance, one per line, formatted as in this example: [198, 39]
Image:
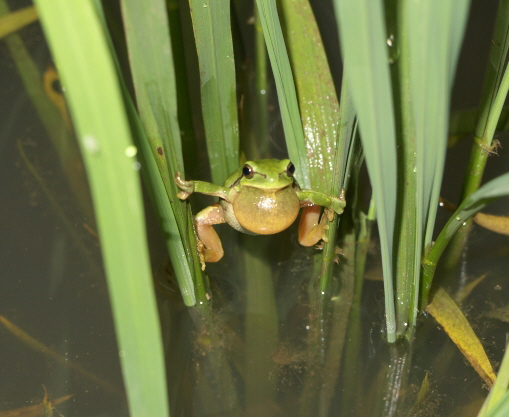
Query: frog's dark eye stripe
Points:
[248, 171]
[290, 169]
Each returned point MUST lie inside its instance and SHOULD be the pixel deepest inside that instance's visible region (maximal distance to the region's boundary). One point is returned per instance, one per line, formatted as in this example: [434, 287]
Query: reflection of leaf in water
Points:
[43, 409]
[499, 313]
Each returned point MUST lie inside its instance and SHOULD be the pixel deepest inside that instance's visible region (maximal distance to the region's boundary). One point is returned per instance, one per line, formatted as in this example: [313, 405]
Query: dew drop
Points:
[91, 144]
[131, 151]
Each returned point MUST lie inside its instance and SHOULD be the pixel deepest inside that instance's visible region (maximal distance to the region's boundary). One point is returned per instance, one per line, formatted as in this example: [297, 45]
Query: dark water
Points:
[269, 351]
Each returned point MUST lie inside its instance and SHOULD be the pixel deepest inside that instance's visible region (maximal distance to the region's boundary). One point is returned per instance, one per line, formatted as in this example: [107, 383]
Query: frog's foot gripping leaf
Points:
[187, 187]
[338, 204]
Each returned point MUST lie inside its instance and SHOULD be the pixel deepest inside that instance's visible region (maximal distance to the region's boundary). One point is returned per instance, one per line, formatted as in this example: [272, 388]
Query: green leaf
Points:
[319, 107]
[16, 20]
[212, 32]
[285, 86]
[363, 42]
[489, 192]
[152, 68]
[430, 42]
[75, 34]
[499, 391]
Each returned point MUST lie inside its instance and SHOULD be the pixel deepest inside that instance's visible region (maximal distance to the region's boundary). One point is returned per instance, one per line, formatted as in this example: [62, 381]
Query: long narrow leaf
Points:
[499, 389]
[319, 106]
[490, 191]
[212, 32]
[285, 86]
[75, 34]
[152, 65]
[16, 20]
[430, 45]
[362, 35]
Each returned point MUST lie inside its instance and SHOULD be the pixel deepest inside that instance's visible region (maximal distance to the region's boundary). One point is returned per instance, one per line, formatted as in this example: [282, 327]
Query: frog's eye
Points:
[248, 171]
[290, 169]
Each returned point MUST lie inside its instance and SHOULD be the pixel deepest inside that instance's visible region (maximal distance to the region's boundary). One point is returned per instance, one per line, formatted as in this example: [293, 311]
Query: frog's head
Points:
[269, 174]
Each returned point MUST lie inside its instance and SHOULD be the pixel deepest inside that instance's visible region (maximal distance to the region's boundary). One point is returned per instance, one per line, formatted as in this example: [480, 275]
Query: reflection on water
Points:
[309, 372]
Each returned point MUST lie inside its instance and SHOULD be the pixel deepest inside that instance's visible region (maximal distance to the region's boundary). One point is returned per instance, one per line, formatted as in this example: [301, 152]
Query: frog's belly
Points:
[262, 212]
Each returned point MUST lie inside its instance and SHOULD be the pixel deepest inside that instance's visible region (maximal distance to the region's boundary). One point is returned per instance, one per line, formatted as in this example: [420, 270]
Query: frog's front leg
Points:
[312, 228]
[209, 244]
[309, 197]
[189, 187]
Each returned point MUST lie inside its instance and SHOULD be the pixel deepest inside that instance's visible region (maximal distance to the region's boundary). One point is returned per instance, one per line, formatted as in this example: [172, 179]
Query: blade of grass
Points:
[152, 68]
[159, 195]
[489, 103]
[326, 150]
[319, 106]
[75, 34]
[499, 388]
[212, 32]
[431, 38]
[262, 87]
[362, 36]
[502, 408]
[287, 96]
[488, 117]
[16, 20]
[490, 191]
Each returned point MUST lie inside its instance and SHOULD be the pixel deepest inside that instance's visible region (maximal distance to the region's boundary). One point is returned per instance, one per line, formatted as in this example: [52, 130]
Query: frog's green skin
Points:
[262, 197]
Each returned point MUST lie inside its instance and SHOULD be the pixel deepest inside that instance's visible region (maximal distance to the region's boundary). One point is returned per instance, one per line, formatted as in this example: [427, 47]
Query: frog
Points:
[262, 197]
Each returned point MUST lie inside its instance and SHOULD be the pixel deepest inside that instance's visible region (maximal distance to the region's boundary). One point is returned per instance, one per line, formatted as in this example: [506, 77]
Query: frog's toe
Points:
[185, 186]
[183, 195]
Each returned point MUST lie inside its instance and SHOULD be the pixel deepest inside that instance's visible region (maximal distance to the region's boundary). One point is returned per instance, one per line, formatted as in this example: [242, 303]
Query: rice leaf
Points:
[287, 96]
[319, 106]
[489, 192]
[75, 34]
[499, 388]
[16, 20]
[502, 408]
[152, 69]
[363, 42]
[495, 70]
[431, 34]
[212, 32]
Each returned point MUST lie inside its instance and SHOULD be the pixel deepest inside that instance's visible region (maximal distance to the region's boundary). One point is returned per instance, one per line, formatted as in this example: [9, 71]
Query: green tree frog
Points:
[262, 197]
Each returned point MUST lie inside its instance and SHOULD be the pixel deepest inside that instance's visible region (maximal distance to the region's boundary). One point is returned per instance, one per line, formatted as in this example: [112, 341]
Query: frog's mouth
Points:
[267, 190]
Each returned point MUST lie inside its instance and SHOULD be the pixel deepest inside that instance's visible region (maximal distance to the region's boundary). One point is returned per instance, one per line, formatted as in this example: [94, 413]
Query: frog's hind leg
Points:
[312, 228]
[209, 244]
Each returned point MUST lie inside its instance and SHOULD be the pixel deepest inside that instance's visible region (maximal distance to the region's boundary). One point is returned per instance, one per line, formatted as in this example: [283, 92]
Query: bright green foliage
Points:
[75, 33]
